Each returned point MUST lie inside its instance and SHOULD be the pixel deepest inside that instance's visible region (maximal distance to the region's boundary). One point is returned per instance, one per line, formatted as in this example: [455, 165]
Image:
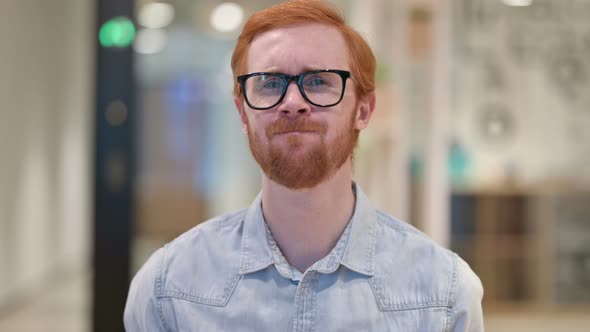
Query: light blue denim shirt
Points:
[228, 274]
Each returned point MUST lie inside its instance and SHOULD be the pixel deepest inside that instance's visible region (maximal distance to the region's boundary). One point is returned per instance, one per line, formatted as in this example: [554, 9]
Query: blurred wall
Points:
[46, 86]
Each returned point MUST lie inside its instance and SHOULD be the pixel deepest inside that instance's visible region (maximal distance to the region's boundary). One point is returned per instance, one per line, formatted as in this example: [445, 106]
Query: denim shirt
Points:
[228, 274]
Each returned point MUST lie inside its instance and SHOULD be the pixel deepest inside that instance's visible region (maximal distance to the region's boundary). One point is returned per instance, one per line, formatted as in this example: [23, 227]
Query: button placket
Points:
[305, 303]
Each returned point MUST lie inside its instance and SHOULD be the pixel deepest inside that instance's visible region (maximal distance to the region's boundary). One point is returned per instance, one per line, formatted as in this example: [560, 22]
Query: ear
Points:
[243, 117]
[366, 107]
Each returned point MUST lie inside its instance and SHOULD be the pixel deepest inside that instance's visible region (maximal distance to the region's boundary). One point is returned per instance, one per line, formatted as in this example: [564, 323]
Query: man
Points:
[310, 254]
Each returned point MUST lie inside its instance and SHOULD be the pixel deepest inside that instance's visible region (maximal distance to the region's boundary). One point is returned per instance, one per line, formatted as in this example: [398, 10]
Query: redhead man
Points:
[310, 254]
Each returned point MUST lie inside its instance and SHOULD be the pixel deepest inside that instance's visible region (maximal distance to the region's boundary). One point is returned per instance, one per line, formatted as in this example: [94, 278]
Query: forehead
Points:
[296, 48]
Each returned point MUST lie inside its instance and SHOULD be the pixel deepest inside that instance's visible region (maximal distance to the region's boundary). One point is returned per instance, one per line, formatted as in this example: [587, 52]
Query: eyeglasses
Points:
[322, 88]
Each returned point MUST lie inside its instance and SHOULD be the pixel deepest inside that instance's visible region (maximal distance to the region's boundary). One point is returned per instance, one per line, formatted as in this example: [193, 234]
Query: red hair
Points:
[362, 60]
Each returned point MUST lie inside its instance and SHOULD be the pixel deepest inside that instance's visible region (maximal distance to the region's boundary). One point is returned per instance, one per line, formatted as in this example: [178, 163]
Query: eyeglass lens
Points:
[265, 90]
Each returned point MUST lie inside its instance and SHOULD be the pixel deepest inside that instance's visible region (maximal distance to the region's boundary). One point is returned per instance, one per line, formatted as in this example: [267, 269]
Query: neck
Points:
[306, 224]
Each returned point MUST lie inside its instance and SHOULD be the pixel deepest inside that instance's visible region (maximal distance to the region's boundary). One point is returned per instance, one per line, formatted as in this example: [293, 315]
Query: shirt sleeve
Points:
[467, 313]
[143, 311]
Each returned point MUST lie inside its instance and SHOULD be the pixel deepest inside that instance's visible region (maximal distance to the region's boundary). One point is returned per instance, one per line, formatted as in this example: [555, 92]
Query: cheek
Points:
[338, 128]
[256, 127]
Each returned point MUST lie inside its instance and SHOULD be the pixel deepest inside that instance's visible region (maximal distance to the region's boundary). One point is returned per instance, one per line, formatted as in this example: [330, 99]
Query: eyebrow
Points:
[304, 70]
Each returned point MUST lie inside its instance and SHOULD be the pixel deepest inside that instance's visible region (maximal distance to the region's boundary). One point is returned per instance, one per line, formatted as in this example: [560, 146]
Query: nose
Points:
[294, 103]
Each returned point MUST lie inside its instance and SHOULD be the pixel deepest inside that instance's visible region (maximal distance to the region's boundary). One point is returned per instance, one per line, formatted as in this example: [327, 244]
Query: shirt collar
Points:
[360, 249]
[256, 253]
[355, 248]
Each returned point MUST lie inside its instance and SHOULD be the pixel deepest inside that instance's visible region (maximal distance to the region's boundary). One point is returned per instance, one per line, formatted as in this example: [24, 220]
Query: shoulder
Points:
[412, 271]
[220, 233]
[410, 246]
[195, 255]
[466, 312]
[200, 249]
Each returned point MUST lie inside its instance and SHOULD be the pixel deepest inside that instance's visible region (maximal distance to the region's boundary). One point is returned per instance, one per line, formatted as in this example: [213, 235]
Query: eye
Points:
[321, 81]
[272, 85]
[269, 82]
[316, 81]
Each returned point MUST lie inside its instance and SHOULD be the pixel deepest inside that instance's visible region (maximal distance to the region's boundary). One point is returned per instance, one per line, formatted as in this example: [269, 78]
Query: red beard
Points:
[311, 168]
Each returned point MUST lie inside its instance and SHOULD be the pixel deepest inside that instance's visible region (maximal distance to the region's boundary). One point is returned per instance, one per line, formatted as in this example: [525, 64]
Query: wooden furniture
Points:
[530, 249]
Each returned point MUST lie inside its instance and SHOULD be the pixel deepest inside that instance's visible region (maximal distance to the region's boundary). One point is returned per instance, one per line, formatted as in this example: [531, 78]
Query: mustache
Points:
[285, 125]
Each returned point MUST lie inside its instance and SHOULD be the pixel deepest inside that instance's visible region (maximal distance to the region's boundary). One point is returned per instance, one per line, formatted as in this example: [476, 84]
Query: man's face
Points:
[296, 144]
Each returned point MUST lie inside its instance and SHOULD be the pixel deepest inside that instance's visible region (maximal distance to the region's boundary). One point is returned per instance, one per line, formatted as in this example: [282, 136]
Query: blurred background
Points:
[118, 133]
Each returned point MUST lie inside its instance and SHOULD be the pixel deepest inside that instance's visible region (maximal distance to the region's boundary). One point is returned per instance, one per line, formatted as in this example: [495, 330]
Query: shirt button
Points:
[304, 291]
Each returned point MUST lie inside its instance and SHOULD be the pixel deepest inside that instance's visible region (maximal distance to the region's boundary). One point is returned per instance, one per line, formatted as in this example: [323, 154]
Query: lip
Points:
[296, 132]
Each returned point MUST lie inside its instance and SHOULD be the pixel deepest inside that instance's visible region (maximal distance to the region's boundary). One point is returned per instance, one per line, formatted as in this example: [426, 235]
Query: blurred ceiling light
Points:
[155, 15]
[150, 41]
[518, 3]
[117, 32]
[226, 17]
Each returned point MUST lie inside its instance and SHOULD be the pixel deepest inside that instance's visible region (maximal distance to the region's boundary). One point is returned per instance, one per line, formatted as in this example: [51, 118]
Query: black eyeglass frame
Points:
[344, 75]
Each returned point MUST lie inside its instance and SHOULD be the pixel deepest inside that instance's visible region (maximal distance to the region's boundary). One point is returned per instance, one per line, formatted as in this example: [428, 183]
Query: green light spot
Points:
[117, 32]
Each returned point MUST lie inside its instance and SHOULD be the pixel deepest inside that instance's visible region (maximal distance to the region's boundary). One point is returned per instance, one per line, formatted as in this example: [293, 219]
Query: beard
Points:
[310, 167]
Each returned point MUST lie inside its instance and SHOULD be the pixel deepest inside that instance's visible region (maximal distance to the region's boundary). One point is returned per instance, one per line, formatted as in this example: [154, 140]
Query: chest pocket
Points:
[410, 309]
[216, 293]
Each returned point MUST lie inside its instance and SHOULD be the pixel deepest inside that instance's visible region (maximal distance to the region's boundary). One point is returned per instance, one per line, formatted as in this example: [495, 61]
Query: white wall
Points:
[534, 62]
[46, 85]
